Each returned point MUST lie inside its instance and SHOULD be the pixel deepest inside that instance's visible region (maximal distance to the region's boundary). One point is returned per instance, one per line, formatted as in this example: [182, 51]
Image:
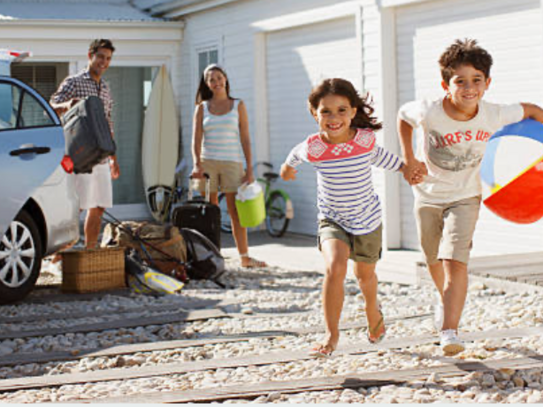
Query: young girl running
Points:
[349, 210]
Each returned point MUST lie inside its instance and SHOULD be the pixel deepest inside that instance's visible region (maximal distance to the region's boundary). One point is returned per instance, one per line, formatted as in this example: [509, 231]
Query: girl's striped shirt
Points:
[221, 135]
[345, 193]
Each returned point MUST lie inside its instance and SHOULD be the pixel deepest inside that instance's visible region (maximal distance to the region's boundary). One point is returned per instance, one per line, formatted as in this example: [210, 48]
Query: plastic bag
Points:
[246, 192]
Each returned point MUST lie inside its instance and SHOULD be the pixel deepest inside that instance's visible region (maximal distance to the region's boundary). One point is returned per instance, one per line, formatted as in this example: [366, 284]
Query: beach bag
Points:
[87, 133]
[143, 279]
[161, 246]
[204, 260]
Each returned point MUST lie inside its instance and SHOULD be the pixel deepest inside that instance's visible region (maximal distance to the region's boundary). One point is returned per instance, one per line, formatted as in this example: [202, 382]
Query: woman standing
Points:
[220, 141]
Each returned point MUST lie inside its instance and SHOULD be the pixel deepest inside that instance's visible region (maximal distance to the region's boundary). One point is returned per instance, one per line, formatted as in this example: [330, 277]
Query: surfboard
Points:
[160, 146]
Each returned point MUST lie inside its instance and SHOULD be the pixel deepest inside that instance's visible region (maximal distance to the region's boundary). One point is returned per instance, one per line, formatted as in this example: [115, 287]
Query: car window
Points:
[20, 109]
[33, 114]
[9, 105]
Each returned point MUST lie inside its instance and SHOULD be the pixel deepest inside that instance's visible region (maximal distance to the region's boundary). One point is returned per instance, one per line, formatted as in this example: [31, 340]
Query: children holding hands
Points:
[444, 172]
[456, 128]
[343, 153]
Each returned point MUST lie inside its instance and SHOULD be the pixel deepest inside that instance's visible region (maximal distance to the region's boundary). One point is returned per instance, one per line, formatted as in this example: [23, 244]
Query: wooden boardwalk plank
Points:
[520, 267]
[355, 381]
[39, 297]
[26, 358]
[180, 316]
[193, 305]
[41, 357]
[254, 360]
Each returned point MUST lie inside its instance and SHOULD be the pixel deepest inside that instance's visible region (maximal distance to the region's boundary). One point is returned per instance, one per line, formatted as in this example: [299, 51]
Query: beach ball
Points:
[512, 172]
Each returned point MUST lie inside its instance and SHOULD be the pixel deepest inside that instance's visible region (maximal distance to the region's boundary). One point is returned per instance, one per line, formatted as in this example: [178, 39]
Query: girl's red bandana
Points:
[319, 150]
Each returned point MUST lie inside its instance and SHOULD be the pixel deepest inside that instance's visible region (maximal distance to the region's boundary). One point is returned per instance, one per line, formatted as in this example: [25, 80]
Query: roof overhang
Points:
[179, 8]
[68, 40]
[398, 3]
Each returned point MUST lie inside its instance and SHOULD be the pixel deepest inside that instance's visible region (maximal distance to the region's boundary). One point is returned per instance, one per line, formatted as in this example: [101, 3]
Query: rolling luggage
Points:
[87, 133]
[200, 215]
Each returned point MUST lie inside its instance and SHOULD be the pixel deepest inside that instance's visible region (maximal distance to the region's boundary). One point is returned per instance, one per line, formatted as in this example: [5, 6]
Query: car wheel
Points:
[20, 258]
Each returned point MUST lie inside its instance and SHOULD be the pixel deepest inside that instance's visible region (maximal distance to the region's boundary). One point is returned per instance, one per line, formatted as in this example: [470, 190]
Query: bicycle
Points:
[279, 208]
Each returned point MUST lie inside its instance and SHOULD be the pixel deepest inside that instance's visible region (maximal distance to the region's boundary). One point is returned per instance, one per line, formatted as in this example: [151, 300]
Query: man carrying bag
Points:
[95, 189]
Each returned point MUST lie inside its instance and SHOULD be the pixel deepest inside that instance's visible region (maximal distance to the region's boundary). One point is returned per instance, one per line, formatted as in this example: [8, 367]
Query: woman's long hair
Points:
[342, 87]
[204, 93]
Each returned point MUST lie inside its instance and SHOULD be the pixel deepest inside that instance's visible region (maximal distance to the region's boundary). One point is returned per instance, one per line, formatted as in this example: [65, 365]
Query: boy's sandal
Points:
[321, 351]
[253, 263]
[371, 332]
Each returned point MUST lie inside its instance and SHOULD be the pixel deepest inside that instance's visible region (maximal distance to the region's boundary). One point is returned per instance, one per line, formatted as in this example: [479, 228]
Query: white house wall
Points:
[299, 58]
[233, 28]
[512, 32]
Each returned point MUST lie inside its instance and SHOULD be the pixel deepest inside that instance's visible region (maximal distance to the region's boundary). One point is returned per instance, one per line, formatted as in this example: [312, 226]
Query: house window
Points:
[207, 57]
[43, 78]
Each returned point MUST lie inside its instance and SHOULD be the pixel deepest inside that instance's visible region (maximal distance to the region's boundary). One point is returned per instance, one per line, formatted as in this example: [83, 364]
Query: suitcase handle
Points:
[207, 191]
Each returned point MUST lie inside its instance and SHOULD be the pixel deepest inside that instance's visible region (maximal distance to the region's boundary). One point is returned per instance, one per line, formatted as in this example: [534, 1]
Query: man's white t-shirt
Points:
[452, 150]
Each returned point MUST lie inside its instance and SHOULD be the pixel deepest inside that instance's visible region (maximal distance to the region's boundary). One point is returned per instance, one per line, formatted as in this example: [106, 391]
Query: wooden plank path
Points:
[179, 316]
[522, 268]
[107, 312]
[192, 304]
[38, 296]
[244, 361]
[352, 381]
[44, 357]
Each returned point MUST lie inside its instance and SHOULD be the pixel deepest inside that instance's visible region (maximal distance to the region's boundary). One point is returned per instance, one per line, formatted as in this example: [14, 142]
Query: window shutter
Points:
[42, 78]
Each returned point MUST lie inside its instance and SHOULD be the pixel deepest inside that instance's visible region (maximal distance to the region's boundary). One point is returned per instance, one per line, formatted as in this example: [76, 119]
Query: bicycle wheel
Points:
[276, 219]
[226, 225]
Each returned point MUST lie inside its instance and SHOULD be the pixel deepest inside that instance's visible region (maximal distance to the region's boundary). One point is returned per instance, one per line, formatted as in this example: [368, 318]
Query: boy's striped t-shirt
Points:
[345, 193]
[221, 135]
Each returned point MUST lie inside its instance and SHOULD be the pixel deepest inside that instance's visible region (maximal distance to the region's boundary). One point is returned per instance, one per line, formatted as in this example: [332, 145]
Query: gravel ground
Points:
[297, 294]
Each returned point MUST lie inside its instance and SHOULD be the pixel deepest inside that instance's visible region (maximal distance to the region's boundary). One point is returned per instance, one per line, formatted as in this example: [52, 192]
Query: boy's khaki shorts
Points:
[364, 248]
[223, 175]
[446, 230]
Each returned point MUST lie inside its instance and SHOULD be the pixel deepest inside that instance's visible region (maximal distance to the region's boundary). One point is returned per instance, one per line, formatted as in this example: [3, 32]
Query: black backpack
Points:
[204, 260]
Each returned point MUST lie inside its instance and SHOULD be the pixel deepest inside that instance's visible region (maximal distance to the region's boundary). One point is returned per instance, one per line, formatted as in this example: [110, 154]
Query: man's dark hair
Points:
[100, 43]
[464, 52]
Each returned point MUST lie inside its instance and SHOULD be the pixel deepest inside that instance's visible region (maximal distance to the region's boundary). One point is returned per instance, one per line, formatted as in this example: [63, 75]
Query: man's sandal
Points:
[372, 332]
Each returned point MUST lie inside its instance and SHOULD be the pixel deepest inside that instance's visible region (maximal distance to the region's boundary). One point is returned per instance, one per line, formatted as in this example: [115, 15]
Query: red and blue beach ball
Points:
[512, 172]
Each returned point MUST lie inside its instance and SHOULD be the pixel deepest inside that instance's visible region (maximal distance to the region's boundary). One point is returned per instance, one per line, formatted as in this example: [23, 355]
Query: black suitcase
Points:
[87, 133]
[200, 215]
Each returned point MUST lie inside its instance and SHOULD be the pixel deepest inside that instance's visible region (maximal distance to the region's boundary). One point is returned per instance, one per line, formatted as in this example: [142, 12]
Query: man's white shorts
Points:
[95, 189]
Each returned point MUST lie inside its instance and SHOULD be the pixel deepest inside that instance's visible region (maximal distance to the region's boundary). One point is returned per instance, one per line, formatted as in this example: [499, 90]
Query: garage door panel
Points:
[297, 60]
[511, 31]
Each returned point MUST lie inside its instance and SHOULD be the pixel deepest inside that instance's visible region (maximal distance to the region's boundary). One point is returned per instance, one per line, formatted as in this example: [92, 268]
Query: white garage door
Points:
[297, 60]
[511, 32]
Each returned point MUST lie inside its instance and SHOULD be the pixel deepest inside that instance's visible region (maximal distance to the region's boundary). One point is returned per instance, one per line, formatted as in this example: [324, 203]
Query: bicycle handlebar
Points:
[264, 163]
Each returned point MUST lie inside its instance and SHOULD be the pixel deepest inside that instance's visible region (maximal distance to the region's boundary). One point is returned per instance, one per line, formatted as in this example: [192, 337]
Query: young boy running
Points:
[449, 153]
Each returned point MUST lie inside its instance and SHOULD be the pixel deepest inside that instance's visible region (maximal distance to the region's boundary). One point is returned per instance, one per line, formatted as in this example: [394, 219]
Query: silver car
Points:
[39, 208]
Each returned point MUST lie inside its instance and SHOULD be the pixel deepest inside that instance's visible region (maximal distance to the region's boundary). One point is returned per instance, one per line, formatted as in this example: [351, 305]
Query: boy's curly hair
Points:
[342, 87]
[464, 52]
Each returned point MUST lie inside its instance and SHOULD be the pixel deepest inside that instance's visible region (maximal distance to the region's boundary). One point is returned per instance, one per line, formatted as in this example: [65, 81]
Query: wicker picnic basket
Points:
[93, 270]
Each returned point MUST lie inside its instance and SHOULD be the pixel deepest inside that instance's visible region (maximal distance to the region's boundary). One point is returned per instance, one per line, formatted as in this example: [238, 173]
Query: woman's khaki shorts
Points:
[223, 175]
[446, 230]
[364, 248]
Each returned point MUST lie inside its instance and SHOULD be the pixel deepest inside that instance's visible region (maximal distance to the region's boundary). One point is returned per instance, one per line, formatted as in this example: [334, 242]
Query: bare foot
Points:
[56, 258]
[249, 262]
[327, 347]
